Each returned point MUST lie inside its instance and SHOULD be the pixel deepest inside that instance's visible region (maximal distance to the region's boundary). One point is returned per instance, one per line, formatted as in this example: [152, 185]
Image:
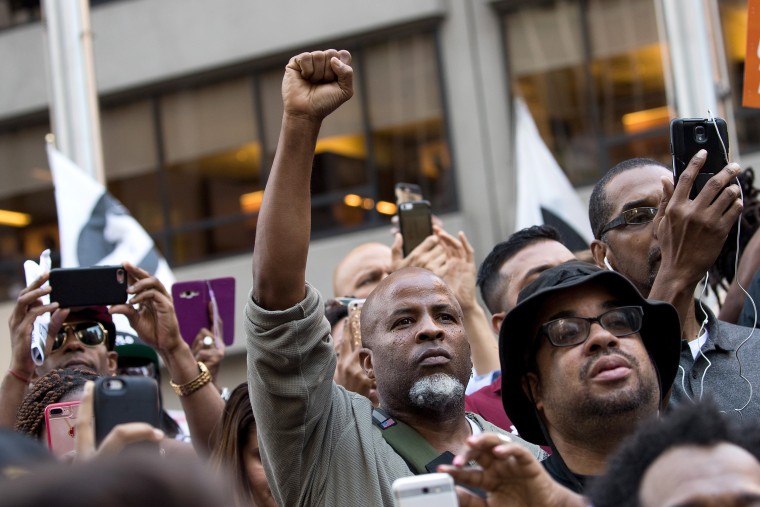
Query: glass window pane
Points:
[212, 158]
[406, 118]
[28, 218]
[594, 97]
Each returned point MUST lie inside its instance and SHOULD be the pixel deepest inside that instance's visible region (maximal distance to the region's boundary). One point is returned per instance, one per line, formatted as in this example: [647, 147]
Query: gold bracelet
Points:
[195, 384]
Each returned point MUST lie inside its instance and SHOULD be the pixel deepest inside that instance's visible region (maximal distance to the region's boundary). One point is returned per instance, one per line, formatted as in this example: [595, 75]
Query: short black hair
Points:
[691, 424]
[599, 208]
[491, 286]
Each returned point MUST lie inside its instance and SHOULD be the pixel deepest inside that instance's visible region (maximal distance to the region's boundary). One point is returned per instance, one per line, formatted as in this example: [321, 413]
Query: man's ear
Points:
[496, 321]
[532, 388]
[113, 361]
[365, 359]
[599, 251]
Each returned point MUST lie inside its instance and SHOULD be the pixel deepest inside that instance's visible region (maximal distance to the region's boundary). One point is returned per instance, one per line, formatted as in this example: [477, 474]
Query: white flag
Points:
[96, 229]
[545, 195]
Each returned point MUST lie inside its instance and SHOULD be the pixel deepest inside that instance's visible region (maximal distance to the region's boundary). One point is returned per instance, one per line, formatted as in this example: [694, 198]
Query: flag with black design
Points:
[544, 194]
[96, 229]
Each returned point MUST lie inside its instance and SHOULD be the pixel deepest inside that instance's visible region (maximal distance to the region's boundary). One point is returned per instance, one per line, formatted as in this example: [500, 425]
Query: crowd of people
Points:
[599, 379]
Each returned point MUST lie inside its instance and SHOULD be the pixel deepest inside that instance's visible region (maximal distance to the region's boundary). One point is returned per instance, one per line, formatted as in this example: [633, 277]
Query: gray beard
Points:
[436, 392]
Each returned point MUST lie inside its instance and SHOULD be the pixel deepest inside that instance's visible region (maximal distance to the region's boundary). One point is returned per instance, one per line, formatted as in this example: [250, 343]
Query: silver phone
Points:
[427, 490]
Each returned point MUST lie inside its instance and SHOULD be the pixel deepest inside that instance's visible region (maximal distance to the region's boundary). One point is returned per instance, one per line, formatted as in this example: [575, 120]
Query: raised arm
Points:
[151, 314]
[315, 84]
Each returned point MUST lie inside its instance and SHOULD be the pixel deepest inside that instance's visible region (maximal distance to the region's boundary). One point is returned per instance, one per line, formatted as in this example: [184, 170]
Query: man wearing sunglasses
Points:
[664, 242]
[585, 358]
[78, 337]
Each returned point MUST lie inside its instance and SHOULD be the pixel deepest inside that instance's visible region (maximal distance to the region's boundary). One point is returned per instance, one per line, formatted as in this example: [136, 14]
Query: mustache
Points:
[606, 352]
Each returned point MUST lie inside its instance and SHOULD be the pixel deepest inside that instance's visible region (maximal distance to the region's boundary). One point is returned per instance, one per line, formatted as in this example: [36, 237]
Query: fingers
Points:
[141, 280]
[123, 435]
[469, 250]
[30, 296]
[84, 441]
[667, 195]
[717, 184]
[198, 341]
[686, 179]
[341, 66]
[323, 66]
[397, 252]
[479, 446]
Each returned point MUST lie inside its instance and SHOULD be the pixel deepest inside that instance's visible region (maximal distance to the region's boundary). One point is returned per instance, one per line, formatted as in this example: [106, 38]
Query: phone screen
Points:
[415, 221]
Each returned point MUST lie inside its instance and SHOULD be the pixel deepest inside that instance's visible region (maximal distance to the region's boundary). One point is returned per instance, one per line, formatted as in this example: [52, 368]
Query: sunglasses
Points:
[89, 333]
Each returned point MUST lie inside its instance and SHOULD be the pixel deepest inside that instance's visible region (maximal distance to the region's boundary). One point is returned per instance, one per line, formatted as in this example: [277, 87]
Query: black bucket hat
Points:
[660, 333]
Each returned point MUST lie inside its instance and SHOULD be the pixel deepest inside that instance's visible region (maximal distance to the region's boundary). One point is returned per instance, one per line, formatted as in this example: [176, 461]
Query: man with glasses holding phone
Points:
[651, 231]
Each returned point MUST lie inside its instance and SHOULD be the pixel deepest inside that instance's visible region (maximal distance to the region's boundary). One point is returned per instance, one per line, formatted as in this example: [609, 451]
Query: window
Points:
[190, 159]
[591, 74]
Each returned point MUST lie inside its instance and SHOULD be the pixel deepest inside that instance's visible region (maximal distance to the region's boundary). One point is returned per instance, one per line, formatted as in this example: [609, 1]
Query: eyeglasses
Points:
[569, 331]
[633, 216]
[90, 333]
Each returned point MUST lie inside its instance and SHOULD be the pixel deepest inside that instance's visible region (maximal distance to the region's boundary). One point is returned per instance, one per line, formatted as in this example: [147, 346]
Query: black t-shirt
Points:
[563, 475]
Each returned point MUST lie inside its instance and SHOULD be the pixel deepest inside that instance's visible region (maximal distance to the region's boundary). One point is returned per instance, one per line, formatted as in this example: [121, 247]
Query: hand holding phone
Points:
[206, 304]
[687, 137]
[428, 490]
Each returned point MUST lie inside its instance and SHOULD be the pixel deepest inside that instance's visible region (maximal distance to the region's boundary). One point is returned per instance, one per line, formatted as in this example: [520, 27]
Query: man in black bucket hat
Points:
[585, 358]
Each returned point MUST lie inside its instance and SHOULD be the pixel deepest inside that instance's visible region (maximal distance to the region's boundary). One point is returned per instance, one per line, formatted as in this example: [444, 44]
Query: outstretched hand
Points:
[508, 473]
[316, 83]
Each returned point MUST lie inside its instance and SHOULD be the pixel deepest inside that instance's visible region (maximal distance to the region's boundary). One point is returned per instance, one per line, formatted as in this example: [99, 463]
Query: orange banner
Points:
[751, 96]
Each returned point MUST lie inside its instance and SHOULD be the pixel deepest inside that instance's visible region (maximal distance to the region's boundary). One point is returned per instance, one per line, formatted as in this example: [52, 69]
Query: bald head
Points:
[359, 272]
[404, 282]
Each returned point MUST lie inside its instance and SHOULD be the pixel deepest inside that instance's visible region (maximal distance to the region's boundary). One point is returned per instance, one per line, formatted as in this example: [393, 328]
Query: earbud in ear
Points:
[607, 263]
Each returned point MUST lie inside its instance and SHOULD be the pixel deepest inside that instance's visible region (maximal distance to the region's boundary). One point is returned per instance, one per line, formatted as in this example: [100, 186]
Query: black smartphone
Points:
[688, 136]
[415, 222]
[124, 399]
[93, 286]
[406, 192]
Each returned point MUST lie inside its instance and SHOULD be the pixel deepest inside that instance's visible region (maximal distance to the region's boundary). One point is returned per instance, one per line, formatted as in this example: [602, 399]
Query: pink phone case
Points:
[61, 420]
[191, 303]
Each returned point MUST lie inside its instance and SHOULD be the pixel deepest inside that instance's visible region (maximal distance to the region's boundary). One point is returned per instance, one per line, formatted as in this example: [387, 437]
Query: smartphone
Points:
[93, 286]
[427, 490]
[406, 192]
[415, 222]
[688, 136]
[61, 423]
[354, 322]
[192, 300]
[124, 399]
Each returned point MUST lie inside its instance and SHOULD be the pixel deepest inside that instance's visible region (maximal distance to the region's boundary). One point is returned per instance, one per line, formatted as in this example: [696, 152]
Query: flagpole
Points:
[73, 101]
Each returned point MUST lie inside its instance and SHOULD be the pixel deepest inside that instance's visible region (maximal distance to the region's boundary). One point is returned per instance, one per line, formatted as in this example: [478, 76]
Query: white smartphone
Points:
[427, 490]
